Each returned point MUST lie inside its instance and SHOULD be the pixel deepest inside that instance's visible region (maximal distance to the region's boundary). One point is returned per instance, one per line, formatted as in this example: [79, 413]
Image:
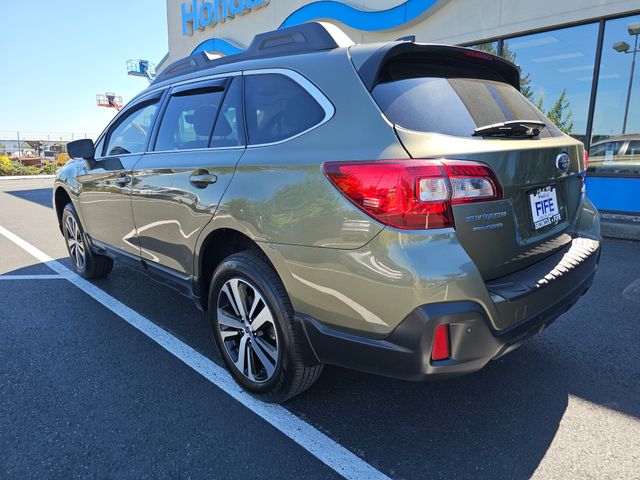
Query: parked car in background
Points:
[397, 208]
[617, 154]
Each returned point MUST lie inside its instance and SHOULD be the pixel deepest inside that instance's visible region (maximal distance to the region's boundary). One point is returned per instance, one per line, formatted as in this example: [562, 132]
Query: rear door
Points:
[104, 192]
[179, 182]
[436, 112]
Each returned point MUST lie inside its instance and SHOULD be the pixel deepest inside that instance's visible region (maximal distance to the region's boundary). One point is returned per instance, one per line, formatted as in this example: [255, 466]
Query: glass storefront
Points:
[557, 71]
[591, 90]
[615, 137]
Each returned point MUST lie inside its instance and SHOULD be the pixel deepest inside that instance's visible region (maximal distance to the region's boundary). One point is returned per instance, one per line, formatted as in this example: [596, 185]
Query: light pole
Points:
[623, 47]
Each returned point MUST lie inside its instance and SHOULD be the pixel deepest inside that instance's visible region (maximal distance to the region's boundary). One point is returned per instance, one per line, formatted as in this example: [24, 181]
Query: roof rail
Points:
[304, 38]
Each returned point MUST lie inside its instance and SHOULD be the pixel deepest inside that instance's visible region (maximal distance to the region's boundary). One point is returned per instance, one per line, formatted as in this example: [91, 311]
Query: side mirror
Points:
[81, 149]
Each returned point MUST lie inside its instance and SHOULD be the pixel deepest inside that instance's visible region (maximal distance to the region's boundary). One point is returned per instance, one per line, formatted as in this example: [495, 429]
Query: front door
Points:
[105, 190]
[179, 182]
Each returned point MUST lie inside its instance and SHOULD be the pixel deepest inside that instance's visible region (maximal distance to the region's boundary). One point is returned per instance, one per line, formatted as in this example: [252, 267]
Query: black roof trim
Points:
[304, 38]
[370, 59]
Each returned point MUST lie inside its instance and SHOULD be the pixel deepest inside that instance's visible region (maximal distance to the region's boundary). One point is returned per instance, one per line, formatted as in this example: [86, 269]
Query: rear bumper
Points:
[406, 352]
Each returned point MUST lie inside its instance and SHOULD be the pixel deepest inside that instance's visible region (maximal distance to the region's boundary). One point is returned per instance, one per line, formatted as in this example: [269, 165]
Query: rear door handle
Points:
[202, 178]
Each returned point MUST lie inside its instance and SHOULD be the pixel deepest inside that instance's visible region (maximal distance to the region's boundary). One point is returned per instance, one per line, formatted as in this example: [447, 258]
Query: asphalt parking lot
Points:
[85, 394]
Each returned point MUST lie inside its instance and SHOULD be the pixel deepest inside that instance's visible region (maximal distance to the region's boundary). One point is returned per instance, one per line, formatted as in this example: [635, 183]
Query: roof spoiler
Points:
[369, 60]
[304, 38]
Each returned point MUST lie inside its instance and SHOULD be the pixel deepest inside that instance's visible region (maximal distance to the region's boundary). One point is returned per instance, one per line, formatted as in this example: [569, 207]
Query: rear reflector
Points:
[413, 194]
[440, 349]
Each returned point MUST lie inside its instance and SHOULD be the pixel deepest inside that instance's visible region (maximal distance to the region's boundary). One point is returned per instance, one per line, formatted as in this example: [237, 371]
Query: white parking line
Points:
[31, 277]
[308, 437]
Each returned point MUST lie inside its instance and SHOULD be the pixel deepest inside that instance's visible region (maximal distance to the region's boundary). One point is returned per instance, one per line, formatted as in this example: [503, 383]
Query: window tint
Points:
[188, 120]
[454, 106]
[229, 129]
[130, 134]
[278, 108]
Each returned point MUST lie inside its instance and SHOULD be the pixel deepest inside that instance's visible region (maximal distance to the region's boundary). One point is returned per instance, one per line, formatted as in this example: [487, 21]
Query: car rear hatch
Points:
[438, 98]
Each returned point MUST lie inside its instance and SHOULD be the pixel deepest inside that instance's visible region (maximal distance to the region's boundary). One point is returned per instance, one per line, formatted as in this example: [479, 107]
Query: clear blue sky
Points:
[56, 55]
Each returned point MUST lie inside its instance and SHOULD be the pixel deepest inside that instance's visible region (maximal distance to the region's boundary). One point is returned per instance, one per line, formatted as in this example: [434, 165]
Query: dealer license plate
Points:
[545, 210]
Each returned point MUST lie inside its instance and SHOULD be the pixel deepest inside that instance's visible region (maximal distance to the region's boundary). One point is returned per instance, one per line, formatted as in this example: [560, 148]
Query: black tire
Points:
[92, 264]
[291, 375]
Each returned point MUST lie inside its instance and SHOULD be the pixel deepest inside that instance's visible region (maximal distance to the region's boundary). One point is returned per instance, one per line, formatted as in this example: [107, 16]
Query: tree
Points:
[561, 114]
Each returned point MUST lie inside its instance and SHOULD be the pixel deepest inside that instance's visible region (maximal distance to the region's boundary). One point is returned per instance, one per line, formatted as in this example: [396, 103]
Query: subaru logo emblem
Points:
[562, 162]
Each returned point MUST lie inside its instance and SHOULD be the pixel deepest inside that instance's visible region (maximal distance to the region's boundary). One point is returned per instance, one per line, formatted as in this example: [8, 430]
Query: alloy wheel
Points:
[75, 242]
[248, 330]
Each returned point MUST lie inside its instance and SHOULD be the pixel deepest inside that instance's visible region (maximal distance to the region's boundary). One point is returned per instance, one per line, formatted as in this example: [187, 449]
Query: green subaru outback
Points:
[396, 208]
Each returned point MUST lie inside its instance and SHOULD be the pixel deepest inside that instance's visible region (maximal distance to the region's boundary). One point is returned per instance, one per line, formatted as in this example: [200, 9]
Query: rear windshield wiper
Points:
[512, 128]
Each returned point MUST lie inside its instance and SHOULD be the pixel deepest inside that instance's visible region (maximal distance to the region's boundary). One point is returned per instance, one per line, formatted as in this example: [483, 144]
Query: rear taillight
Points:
[586, 160]
[413, 194]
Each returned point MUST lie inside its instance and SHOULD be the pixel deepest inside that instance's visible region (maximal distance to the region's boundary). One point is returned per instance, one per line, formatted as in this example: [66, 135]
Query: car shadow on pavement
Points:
[41, 196]
[496, 423]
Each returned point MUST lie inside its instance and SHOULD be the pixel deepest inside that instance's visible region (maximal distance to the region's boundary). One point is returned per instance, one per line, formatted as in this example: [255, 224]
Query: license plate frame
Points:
[545, 210]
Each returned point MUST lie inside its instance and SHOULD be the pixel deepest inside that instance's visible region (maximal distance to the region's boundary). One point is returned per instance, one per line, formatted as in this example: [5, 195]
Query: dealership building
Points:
[577, 59]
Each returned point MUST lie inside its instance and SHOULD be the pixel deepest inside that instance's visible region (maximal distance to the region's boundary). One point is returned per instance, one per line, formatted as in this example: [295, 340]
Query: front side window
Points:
[188, 120]
[99, 147]
[278, 108]
[131, 133]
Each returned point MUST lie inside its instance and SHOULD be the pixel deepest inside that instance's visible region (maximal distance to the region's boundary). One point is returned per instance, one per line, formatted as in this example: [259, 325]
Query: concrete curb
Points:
[620, 226]
[25, 177]
[620, 230]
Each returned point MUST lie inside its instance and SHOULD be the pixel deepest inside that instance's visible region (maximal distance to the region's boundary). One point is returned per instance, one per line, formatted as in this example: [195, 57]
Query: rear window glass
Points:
[454, 106]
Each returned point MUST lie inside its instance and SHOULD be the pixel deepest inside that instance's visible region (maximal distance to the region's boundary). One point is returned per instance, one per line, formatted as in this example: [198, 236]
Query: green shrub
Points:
[15, 168]
[49, 169]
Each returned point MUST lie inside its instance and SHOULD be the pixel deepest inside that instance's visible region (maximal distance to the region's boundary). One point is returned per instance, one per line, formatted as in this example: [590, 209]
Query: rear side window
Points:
[633, 148]
[188, 119]
[131, 133]
[454, 105]
[278, 108]
[607, 148]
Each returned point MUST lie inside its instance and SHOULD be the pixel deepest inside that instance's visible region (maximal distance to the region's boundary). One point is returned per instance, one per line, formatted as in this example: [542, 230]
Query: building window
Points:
[489, 47]
[615, 140]
[557, 73]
